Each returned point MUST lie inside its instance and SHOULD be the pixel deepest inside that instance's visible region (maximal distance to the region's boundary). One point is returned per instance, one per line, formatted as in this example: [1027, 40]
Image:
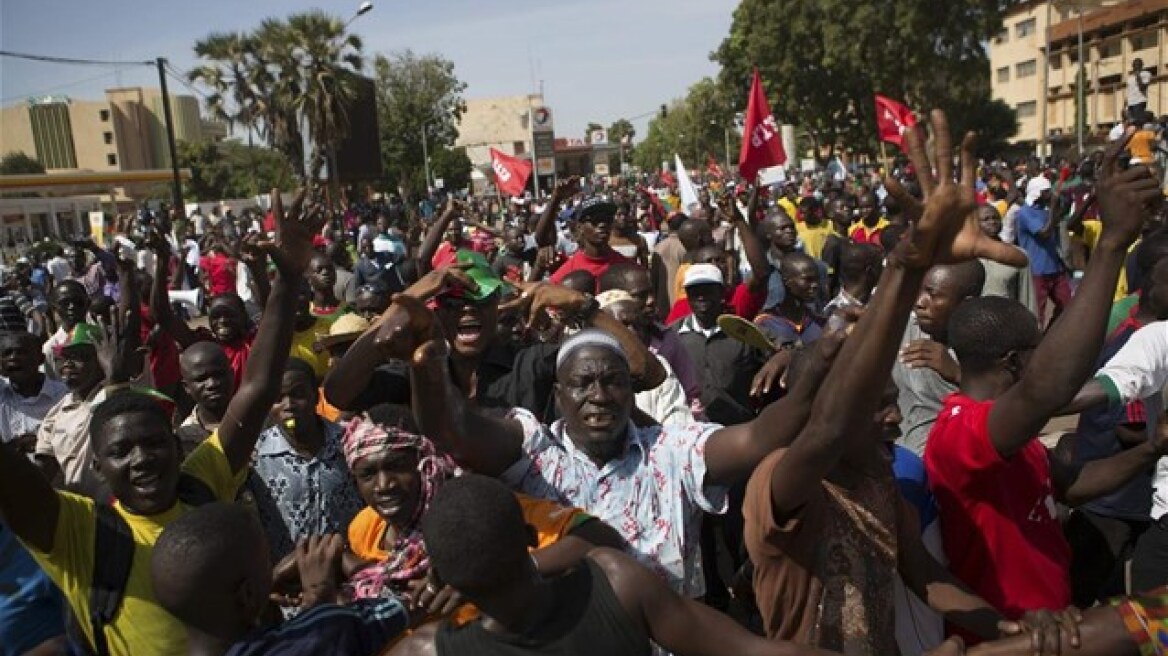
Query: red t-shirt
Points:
[741, 302]
[998, 517]
[220, 274]
[163, 356]
[237, 352]
[594, 265]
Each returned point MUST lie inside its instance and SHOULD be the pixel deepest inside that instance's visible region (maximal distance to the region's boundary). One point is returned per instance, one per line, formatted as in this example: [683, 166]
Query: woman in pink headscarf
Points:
[397, 473]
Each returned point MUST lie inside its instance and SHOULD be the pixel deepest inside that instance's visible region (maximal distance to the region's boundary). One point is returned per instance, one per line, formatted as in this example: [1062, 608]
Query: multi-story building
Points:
[1042, 89]
[499, 123]
[124, 132]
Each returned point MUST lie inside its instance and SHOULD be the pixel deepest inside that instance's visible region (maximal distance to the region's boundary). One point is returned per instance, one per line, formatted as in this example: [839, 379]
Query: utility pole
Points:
[426, 157]
[177, 191]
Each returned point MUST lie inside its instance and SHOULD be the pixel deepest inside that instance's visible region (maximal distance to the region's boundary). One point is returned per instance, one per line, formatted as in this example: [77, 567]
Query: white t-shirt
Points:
[59, 268]
[1134, 95]
[1140, 371]
[1116, 132]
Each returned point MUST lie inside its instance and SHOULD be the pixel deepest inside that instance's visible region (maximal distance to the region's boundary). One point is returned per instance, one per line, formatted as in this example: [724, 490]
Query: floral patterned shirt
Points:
[295, 496]
[653, 494]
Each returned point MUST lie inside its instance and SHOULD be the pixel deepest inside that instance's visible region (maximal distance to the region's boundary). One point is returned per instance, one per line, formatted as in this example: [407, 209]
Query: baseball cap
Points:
[703, 274]
[83, 334]
[597, 207]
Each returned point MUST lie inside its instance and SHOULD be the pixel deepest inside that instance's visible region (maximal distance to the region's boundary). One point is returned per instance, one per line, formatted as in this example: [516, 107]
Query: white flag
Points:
[685, 186]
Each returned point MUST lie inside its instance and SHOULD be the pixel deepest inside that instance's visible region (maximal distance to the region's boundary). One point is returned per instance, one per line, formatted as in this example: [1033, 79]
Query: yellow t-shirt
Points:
[1140, 146]
[1092, 231]
[814, 237]
[304, 347]
[789, 207]
[866, 234]
[141, 625]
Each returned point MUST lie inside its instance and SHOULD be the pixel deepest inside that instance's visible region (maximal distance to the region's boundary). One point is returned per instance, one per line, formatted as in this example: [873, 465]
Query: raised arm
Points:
[755, 253]
[28, 503]
[945, 232]
[260, 386]
[545, 229]
[477, 441]
[1064, 359]
[159, 298]
[351, 376]
[434, 237]
[644, 367]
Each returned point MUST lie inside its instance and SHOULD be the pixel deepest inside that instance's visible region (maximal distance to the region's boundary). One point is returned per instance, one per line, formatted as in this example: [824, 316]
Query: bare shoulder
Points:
[421, 642]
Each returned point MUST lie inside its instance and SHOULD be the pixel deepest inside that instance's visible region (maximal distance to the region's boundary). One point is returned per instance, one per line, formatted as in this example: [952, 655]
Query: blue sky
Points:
[600, 60]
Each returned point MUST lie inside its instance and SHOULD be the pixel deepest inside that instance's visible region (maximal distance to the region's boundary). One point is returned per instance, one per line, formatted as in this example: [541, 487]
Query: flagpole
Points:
[884, 159]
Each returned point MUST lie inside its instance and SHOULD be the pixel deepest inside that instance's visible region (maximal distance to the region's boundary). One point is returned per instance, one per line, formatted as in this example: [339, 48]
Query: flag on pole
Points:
[712, 166]
[892, 119]
[685, 187]
[511, 173]
[762, 147]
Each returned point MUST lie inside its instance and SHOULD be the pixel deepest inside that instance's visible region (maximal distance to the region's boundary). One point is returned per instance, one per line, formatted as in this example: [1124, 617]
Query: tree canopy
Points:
[694, 127]
[18, 163]
[822, 62]
[289, 79]
[230, 169]
[416, 93]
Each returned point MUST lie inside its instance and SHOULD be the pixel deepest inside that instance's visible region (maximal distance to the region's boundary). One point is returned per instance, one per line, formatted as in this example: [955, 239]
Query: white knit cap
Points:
[589, 337]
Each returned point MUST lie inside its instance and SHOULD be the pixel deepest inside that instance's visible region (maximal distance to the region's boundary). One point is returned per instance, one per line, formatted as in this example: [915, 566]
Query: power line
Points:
[58, 87]
[70, 60]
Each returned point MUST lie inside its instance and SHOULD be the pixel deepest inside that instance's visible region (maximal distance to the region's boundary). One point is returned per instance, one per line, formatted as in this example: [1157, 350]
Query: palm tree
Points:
[291, 80]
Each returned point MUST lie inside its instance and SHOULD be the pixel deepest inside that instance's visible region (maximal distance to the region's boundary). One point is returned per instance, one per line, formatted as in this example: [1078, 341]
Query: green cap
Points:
[479, 271]
[82, 334]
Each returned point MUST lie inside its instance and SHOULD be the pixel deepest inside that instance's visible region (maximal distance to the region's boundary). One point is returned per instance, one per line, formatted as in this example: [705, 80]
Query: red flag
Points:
[667, 178]
[892, 119]
[762, 146]
[712, 166]
[510, 172]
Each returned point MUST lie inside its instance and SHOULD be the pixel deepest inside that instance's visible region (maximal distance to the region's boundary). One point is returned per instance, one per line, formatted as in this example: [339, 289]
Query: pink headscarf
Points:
[407, 559]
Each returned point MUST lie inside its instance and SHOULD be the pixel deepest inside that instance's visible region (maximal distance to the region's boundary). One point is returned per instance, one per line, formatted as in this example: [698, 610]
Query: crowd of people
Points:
[804, 418]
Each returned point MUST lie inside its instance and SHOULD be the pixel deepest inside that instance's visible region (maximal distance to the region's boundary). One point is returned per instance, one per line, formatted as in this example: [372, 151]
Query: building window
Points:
[1004, 74]
[112, 159]
[108, 137]
[1025, 28]
[1003, 36]
[1056, 61]
[104, 114]
[1112, 48]
[1026, 68]
[1026, 109]
[1145, 40]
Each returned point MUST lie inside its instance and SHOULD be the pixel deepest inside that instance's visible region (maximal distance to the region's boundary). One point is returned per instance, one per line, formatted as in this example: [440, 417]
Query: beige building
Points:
[1113, 37]
[500, 123]
[124, 132]
[1114, 34]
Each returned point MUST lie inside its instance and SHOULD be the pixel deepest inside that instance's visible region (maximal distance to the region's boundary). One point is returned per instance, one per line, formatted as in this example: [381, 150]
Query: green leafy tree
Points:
[694, 127]
[231, 169]
[292, 80]
[588, 131]
[620, 129]
[18, 163]
[452, 166]
[822, 62]
[416, 93]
